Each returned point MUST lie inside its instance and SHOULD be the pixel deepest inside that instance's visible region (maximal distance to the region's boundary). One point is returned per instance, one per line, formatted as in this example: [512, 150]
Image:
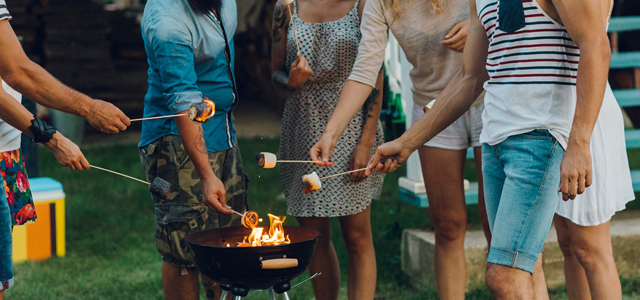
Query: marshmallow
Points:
[201, 112]
[429, 105]
[266, 160]
[160, 188]
[311, 182]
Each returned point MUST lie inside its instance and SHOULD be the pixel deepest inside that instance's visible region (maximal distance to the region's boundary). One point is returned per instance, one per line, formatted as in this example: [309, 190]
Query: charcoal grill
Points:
[242, 269]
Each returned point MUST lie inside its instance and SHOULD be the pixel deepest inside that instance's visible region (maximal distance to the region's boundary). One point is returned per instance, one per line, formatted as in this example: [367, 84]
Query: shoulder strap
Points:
[356, 6]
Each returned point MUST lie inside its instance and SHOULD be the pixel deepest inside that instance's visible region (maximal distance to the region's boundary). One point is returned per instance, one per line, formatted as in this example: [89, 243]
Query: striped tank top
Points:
[532, 75]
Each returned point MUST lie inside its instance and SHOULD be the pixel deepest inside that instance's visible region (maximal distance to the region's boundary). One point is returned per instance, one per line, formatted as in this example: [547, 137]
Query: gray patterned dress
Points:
[331, 49]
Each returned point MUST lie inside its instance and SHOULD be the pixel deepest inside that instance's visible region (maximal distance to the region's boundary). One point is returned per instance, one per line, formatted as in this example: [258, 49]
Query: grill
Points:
[242, 269]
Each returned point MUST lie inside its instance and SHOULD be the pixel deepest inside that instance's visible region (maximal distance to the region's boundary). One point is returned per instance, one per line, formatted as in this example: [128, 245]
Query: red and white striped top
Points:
[532, 75]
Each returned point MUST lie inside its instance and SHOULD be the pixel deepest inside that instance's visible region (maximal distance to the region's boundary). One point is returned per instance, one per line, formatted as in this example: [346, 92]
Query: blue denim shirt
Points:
[186, 55]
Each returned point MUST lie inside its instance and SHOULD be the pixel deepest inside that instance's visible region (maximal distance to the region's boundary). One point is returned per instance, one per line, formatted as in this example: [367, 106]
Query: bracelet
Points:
[42, 131]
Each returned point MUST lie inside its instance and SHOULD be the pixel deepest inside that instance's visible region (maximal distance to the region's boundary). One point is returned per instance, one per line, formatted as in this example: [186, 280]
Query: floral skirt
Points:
[16, 186]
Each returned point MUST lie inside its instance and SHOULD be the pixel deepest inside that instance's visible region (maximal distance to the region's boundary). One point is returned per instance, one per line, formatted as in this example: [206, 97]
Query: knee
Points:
[564, 242]
[449, 229]
[496, 281]
[358, 241]
[589, 255]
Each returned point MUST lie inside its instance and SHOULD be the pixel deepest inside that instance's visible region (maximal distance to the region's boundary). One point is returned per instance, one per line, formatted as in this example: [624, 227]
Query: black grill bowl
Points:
[241, 266]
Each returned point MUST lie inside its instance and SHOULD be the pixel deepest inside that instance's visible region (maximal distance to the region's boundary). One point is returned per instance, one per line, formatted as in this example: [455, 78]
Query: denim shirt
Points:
[186, 55]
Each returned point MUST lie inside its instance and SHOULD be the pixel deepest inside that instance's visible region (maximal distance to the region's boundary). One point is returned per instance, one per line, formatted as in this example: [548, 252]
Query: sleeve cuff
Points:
[364, 80]
[178, 102]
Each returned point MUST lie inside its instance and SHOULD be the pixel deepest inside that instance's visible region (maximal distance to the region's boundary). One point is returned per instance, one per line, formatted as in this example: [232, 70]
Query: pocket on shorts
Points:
[175, 212]
[171, 229]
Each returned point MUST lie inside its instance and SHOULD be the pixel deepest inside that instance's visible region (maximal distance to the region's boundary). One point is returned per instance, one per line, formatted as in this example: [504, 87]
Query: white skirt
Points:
[611, 187]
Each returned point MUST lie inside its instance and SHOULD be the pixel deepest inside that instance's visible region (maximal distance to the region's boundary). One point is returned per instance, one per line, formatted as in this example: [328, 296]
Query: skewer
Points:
[343, 173]
[295, 33]
[123, 175]
[158, 187]
[159, 117]
[299, 161]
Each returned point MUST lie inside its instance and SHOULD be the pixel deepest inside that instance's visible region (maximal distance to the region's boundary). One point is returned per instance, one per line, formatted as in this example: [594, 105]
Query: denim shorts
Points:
[521, 179]
[6, 261]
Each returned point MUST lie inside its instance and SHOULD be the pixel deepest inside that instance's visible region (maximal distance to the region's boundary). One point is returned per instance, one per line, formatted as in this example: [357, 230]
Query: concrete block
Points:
[418, 246]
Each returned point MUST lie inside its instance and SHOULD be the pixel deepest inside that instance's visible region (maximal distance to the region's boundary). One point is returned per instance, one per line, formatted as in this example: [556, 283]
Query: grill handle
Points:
[279, 263]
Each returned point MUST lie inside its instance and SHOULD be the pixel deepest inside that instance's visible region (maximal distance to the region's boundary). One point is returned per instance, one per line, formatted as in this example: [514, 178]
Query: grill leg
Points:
[272, 295]
[237, 298]
[223, 295]
[285, 296]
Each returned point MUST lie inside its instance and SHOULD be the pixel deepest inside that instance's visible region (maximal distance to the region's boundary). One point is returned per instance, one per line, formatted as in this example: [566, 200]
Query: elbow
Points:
[17, 76]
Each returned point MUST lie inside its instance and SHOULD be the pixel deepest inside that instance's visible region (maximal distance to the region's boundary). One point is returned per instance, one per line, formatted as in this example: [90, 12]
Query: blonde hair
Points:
[439, 6]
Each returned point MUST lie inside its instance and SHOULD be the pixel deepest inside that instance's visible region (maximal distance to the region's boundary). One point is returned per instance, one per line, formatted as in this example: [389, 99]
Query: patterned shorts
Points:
[16, 186]
[184, 212]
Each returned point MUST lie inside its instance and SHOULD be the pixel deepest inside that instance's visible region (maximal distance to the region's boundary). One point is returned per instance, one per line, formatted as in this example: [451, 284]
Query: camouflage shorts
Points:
[183, 212]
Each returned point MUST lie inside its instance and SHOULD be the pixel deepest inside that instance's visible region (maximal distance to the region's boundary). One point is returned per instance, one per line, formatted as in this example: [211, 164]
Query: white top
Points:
[532, 73]
[419, 32]
[9, 136]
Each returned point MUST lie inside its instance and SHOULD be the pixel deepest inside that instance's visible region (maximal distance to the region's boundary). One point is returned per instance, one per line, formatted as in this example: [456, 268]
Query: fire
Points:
[275, 236]
[201, 112]
[212, 108]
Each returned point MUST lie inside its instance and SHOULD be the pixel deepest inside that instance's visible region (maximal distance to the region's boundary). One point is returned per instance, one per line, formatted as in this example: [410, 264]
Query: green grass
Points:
[110, 240]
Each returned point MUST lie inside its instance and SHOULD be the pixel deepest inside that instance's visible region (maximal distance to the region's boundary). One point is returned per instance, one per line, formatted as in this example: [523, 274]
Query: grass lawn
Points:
[110, 225]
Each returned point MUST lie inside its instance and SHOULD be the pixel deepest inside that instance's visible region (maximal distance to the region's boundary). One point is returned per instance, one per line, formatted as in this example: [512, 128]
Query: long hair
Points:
[206, 6]
[439, 6]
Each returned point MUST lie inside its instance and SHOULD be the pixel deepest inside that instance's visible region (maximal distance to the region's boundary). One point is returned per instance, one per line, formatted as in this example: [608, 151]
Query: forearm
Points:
[192, 137]
[351, 100]
[371, 112]
[452, 103]
[16, 115]
[38, 85]
[590, 86]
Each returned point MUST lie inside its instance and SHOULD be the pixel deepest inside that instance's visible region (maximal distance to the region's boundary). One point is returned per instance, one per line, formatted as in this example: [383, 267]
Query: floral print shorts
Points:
[16, 186]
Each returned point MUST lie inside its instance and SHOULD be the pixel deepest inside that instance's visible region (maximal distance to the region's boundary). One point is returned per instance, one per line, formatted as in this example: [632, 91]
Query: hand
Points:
[457, 36]
[360, 159]
[299, 73]
[106, 117]
[67, 153]
[213, 195]
[388, 157]
[322, 151]
[575, 171]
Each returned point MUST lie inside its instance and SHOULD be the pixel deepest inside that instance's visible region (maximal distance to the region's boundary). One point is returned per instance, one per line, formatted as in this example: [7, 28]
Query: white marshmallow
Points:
[311, 182]
[266, 160]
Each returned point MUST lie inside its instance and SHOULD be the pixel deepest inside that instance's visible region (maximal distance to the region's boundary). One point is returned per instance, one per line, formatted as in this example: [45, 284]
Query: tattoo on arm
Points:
[280, 18]
[200, 144]
[280, 78]
[367, 108]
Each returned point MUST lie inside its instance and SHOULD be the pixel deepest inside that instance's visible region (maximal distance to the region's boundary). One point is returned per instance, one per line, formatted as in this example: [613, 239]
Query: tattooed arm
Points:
[213, 191]
[370, 116]
[299, 71]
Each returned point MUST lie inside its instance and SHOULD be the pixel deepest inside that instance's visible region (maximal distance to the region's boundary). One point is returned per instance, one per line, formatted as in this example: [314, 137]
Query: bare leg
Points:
[356, 230]
[177, 286]
[509, 283]
[574, 276]
[538, 283]
[443, 179]
[1, 294]
[324, 260]
[482, 208]
[592, 248]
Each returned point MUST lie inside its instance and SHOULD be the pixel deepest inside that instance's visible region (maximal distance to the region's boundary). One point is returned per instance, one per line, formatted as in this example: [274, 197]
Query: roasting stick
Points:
[159, 117]
[288, 4]
[343, 173]
[114, 172]
[299, 161]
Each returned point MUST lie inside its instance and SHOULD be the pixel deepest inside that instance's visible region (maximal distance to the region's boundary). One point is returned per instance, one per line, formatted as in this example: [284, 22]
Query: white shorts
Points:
[462, 134]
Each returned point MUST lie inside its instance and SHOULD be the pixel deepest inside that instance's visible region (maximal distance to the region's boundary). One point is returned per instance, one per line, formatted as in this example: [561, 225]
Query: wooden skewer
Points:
[343, 173]
[114, 172]
[299, 161]
[159, 117]
[294, 27]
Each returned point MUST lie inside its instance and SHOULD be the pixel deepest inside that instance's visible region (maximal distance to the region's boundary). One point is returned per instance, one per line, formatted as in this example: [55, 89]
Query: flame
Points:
[275, 236]
[211, 107]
